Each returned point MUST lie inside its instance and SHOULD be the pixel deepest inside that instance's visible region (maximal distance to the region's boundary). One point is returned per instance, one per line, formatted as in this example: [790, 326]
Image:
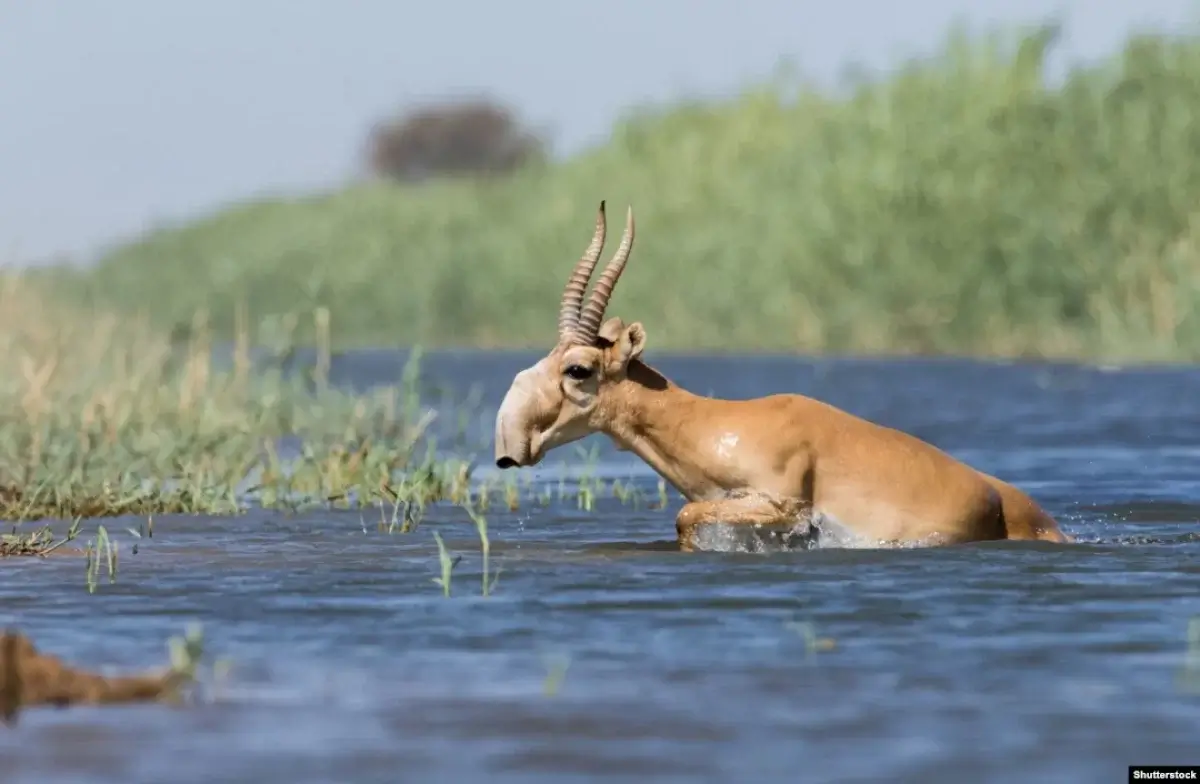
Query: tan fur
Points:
[764, 461]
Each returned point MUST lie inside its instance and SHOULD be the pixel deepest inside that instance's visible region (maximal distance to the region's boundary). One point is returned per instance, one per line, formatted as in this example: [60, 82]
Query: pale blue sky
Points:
[121, 113]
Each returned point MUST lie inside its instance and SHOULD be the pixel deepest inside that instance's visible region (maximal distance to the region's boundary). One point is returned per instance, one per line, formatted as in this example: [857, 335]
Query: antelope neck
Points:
[661, 423]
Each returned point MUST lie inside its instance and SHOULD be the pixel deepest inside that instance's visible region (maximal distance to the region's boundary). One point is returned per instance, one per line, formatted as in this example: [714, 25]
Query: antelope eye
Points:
[578, 372]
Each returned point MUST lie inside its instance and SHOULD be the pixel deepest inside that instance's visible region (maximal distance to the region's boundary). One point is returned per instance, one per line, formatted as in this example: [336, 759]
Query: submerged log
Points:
[29, 679]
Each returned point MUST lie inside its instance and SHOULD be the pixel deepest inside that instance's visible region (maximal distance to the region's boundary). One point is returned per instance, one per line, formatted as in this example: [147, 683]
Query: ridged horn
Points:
[592, 314]
[572, 299]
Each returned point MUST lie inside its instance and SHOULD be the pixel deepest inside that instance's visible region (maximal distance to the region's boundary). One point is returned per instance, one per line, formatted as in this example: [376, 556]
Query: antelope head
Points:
[562, 397]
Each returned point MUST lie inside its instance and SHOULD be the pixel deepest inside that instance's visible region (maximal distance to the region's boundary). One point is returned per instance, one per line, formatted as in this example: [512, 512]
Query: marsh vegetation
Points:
[966, 203]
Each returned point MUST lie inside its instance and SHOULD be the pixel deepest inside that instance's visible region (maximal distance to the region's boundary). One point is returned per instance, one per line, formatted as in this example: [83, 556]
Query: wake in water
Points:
[805, 533]
[824, 532]
[1137, 540]
[1136, 522]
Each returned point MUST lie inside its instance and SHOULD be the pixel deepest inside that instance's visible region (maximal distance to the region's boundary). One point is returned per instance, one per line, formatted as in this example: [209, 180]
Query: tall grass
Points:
[961, 204]
[102, 416]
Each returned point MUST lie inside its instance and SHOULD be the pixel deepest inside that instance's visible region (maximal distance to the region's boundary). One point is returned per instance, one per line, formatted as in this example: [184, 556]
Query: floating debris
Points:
[32, 679]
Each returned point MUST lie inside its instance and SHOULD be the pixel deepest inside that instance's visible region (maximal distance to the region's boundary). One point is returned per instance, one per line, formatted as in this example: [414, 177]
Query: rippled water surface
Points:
[993, 662]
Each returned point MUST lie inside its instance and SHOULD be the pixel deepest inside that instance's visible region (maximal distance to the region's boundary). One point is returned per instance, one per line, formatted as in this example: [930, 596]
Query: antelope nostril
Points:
[506, 462]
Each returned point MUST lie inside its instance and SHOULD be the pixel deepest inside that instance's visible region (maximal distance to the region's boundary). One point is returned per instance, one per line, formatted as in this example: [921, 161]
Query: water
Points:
[994, 662]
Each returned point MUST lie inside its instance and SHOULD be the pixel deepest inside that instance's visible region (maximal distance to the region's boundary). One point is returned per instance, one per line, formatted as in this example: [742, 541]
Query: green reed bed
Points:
[100, 417]
[960, 204]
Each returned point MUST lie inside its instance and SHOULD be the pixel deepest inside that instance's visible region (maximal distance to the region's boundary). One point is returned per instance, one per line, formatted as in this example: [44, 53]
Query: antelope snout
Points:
[512, 449]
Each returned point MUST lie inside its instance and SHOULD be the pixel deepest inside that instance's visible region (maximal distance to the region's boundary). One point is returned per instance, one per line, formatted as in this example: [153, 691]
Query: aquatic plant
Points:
[556, 673]
[962, 203]
[41, 541]
[485, 550]
[447, 564]
[448, 561]
[813, 644]
[102, 545]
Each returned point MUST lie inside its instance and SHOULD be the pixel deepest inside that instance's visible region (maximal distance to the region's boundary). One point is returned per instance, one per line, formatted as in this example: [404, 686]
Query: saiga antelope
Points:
[780, 461]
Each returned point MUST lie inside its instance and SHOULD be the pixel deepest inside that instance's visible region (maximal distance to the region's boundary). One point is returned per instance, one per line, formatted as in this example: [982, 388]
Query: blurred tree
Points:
[471, 137]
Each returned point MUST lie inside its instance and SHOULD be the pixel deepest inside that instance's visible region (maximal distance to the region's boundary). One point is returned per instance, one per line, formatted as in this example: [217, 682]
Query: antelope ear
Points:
[610, 331]
[628, 346]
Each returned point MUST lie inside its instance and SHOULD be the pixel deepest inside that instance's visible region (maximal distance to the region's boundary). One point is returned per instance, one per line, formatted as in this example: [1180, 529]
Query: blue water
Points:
[994, 662]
